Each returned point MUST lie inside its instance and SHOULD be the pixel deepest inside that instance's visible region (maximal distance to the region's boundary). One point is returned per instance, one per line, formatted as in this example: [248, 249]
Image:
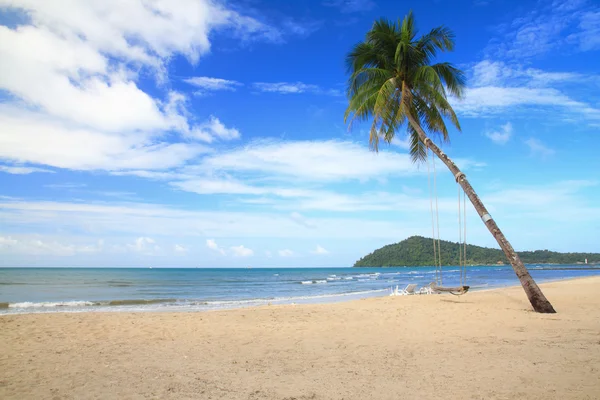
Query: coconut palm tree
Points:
[395, 83]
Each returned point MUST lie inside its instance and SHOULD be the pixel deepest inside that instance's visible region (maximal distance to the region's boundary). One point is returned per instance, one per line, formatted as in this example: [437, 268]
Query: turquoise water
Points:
[24, 290]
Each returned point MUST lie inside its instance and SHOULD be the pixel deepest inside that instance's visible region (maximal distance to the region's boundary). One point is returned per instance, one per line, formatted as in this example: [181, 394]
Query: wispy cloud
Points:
[66, 185]
[144, 245]
[207, 84]
[241, 251]
[294, 88]
[17, 170]
[588, 36]
[301, 28]
[568, 25]
[35, 245]
[212, 244]
[496, 87]
[178, 248]
[319, 250]
[538, 148]
[502, 135]
[489, 72]
[350, 6]
[285, 253]
[319, 161]
[214, 129]
[302, 220]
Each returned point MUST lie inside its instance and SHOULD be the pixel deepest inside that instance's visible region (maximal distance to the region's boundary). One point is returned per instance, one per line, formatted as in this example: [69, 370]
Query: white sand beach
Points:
[484, 345]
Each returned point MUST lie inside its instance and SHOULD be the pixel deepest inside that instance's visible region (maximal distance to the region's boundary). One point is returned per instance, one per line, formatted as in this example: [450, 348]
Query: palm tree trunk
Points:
[536, 297]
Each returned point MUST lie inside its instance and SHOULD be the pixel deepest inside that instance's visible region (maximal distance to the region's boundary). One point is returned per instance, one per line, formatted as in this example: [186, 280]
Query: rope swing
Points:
[437, 286]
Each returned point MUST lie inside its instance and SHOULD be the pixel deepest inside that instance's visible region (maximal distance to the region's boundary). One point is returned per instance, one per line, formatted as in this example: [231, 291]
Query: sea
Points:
[36, 290]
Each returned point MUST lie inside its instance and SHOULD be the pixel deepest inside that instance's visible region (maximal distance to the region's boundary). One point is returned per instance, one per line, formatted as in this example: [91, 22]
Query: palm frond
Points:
[392, 80]
[453, 78]
[418, 151]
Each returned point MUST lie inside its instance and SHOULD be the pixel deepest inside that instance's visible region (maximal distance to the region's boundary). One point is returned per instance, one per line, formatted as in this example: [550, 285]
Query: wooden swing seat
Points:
[457, 290]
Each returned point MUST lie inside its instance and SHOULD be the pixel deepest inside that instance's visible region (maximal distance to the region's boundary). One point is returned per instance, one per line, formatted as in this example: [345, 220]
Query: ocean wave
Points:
[83, 303]
[289, 299]
[314, 282]
[49, 304]
[133, 302]
[170, 304]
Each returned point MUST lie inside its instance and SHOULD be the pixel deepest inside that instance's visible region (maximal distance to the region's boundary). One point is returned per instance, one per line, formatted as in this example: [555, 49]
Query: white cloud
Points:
[67, 185]
[323, 161]
[498, 73]
[16, 170]
[35, 138]
[144, 245]
[145, 32]
[241, 251]
[542, 201]
[178, 248]
[549, 27]
[493, 99]
[319, 251]
[268, 254]
[402, 142]
[231, 186]
[285, 253]
[301, 219]
[350, 6]
[208, 84]
[294, 88]
[214, 128]
[295, 176]
[501, 136]
[589, 34]
[158, 221]
[538, 148]
[34, 245]
[303, 28]
[73, 70]
[212, 244]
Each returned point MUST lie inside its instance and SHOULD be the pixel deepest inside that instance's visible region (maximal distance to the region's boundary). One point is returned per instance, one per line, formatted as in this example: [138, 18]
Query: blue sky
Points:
[211, 133]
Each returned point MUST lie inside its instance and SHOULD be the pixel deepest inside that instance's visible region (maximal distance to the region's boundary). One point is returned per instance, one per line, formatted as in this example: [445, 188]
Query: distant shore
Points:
[486, 344]
[592, 266]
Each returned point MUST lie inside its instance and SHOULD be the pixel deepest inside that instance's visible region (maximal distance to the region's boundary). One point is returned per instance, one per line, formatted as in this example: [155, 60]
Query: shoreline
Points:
[173, 305]
[487, 345]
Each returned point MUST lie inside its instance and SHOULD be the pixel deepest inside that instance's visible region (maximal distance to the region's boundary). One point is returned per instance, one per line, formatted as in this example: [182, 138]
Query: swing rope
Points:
[435, 220]
[465, 236]
[435, 230]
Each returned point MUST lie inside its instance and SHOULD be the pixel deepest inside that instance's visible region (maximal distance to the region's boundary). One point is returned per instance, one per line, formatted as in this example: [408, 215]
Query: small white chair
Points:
[409, 289]
[427, 290]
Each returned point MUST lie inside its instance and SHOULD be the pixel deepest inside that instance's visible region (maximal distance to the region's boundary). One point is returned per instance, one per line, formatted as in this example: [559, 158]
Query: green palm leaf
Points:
[393, 79]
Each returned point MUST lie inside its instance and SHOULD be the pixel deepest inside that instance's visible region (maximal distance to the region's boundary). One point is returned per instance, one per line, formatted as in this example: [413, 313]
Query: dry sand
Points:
[485, 345]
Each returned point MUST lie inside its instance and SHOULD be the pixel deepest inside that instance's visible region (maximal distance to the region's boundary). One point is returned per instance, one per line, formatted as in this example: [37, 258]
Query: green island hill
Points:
[417, 251]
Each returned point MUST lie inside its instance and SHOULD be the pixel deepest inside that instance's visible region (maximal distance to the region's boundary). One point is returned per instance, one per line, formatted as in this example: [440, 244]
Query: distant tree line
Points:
[418, 251]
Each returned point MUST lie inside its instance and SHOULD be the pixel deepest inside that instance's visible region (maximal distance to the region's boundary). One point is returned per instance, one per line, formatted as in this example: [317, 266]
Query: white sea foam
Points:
[181, 305]
[313, 282]
[49, 304]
